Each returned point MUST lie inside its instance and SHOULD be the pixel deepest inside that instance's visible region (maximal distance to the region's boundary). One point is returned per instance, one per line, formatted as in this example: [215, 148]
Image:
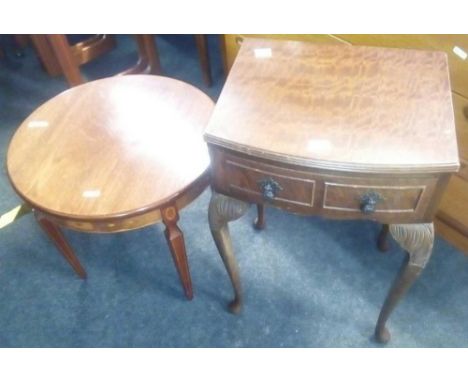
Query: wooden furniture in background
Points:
[22, 40]
[58, 56]
[452, 217]
[338, 131]
[202, 46]
[82, 52]
[122, 165]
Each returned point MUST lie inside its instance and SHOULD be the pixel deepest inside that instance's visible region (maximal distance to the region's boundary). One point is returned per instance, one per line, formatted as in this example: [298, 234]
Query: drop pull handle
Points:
[369, 202]
[269, 188]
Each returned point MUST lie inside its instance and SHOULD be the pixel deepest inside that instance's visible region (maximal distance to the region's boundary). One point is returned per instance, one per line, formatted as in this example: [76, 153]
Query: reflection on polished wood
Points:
[232, 42]
[136, 134]
[338, 131]
[444, 42]
[108, 155]
[342, 102]
[451, 222]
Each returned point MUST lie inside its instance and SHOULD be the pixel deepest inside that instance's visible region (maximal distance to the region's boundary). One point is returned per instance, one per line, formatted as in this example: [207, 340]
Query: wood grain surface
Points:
[404, 198]
[441, 42]
[232, 42]
[350, 108]
[111, 147]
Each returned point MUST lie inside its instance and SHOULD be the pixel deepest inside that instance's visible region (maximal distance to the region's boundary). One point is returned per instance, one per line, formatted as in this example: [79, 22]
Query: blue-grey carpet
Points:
[308, 282]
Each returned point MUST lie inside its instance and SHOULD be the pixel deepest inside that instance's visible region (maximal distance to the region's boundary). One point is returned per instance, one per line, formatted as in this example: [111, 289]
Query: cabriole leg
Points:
[417, 240]
[222, 210]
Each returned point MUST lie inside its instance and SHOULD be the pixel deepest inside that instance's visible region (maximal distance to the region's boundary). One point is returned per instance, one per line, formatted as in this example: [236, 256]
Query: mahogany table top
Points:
[338, 107]
[111, 147]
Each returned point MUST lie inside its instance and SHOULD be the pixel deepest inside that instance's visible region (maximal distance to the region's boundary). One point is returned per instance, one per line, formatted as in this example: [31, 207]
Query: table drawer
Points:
[371, 198]
[278, 186]
[335, 194]
[386, 198]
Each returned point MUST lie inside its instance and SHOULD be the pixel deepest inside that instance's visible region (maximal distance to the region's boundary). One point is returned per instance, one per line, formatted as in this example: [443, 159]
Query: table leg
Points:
[222, 210]
[417, 240]
[259, 222]
[202, 47]
[148, 56]
[148, 53]
[175, 240]
[65, 58]
[382, 240]
[55, 234]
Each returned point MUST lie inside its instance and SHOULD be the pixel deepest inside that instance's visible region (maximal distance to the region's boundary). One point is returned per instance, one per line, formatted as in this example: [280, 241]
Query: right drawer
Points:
[370, 198]
[386, 198]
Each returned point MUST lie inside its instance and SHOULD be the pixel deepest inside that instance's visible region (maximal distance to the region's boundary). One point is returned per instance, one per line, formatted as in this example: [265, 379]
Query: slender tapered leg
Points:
[222, 210]
[55, 234]
[417, 240]
[175, 240]
[259, 222]
[382, 240]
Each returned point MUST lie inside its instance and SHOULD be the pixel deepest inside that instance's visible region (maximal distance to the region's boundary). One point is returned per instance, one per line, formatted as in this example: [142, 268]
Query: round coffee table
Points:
[114, 155]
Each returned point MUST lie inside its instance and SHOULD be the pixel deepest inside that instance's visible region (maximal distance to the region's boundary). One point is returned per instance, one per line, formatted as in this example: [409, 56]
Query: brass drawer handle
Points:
[269, 188]
[369, 201]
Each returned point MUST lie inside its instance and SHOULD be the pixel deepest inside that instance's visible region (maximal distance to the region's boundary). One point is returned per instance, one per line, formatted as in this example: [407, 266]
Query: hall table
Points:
[342, 132]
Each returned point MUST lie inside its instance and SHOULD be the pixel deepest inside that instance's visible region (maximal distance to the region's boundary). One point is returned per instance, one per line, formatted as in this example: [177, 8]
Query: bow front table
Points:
[114, 155]
[338, 131]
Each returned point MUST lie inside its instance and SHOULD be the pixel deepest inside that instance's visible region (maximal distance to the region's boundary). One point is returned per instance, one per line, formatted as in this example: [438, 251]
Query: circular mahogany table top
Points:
[111, 148]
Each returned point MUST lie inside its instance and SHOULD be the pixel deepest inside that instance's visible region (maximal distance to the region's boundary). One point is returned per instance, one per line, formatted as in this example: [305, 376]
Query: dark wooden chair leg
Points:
[46, 54]
[259, 222]
[175, 240]
[57, 237]
[148, 57]
[202, 47]
[382, 240]
[65, 58]
[22, 40]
